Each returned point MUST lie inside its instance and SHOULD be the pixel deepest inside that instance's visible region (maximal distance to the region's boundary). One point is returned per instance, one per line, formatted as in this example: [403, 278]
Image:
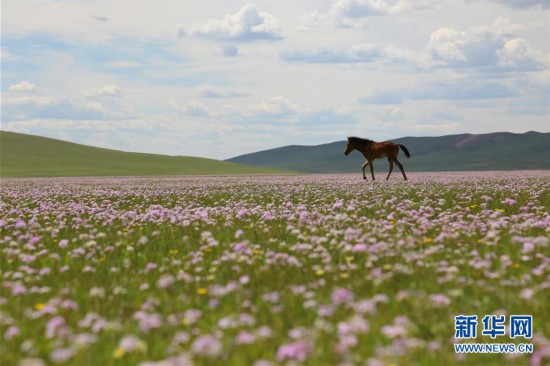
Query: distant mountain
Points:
[493, 151]
[33, 156]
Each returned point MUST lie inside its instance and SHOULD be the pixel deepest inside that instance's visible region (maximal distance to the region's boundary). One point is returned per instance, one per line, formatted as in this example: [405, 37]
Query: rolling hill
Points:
[33, 156]
[493, 151]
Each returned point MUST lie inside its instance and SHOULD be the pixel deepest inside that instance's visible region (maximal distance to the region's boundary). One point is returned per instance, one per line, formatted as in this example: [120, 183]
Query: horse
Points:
[376, 150]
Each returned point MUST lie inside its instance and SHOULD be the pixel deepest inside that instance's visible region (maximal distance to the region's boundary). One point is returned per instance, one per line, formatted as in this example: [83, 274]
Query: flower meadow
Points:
[270, 270]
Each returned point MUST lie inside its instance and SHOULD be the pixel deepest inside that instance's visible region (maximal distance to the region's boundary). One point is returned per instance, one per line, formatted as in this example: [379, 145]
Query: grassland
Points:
[312, 270]
[33, 156]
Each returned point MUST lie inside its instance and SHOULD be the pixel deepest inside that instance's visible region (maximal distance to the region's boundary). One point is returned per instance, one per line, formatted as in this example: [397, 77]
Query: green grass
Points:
[33, 156]
[429, 236]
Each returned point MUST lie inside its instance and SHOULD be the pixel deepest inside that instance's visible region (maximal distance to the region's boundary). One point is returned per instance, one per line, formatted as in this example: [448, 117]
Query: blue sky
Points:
[222, 78]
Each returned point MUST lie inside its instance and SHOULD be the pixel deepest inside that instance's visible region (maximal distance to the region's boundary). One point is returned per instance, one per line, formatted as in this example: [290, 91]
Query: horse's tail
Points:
[407, 153]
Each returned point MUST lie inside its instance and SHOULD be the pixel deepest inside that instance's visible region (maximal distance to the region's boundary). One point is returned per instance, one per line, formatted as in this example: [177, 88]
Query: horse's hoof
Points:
[365, 178]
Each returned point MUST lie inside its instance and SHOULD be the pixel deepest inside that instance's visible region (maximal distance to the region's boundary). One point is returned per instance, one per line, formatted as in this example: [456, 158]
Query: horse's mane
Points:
[359, 141]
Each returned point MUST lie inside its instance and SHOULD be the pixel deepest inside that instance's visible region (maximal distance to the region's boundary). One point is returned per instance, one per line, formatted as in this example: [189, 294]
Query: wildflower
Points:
[11, 332]
[150, 266]
[202, 291]
[191, 316]
[358, 248]
[440, 300]
[297, 351]
[20, 224]
[394, 331]
[245, 337]
[119, 352]
[165, 281]
[338, 204]
[526, 293]
[18, 289]
[509, 202]
[130, 344]
[341, 296]
[147, 321]
[54, 326]
[61, 355]
[206, 345]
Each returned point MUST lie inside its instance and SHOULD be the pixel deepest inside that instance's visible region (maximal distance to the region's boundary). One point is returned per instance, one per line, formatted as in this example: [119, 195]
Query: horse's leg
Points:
[370, 161]
[391, 168]
[400, 168]
[363, 169]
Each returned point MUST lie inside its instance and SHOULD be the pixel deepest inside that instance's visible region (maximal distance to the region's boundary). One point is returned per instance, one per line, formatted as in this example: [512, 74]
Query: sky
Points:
[222, 78]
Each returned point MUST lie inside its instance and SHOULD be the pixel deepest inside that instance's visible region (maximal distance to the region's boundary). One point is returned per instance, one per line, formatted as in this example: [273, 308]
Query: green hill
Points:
[494, 151]
[33, 156]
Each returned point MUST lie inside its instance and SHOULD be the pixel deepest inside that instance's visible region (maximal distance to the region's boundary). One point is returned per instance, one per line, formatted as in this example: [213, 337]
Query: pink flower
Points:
[18, 289]
[20, 224]
[440, 300]
[509, 202]
[11, 332]
[148, 321]
[131, 344]
[394, 331]
[341, 296]
[61, 355]
[55, 326]
[297, 351]
[150, 266]
[206, 345]
[245, 337]
[357, 248]
[338, 204]
[165, 281]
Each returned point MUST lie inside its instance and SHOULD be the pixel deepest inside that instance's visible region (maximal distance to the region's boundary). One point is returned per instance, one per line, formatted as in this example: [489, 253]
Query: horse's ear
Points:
[348, 138]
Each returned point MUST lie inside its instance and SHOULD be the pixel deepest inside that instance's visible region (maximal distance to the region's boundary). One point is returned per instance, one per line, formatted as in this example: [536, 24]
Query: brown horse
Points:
[376, 150]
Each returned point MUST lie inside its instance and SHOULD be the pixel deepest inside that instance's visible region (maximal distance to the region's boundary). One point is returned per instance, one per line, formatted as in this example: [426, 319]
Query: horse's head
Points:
[349, 147]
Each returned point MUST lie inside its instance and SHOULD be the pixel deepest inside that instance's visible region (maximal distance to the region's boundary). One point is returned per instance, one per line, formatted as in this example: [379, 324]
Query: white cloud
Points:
[218, 93]
[107, 91]
[247, 25]
[361, 53]
[464, 89]
[524, 4]
[278, 106]
[517, 54]
[24, 86]
[355, 13]
[494, 47]
[192, 108]
[41, 107]
[98, 104]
